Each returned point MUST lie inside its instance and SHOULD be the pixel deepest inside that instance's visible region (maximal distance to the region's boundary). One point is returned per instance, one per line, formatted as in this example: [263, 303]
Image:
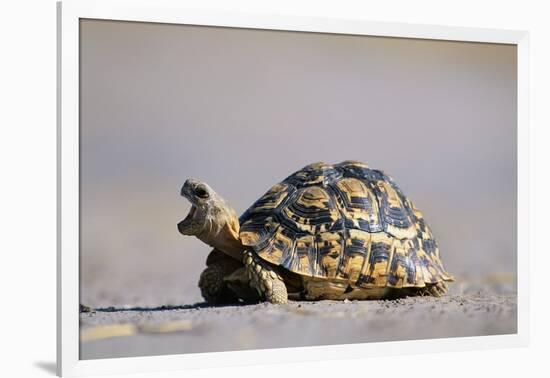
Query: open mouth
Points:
[188, 225]
[191, 224]
[191, 214]
[188, 221]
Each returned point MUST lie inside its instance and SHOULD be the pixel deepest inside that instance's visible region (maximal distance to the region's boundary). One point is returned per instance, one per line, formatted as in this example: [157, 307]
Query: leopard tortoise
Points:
[342, 231]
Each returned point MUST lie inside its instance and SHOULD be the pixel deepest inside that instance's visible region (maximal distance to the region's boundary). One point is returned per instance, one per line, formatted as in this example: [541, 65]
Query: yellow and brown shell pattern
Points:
[344, 222]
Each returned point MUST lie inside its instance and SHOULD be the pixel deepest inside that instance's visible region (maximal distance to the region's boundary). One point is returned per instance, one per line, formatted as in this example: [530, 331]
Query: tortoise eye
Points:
[201, 192]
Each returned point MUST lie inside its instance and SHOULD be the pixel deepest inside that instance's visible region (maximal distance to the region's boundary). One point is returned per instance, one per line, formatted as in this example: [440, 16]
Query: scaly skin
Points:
[435, 290]
[211, 282]
[265, 279]
[225, 280]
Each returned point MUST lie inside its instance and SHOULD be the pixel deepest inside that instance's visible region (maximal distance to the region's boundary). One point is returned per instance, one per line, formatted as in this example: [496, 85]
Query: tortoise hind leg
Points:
[213, 287]
[440, 289]
[434, 290]
[239, 284]
[265, 279]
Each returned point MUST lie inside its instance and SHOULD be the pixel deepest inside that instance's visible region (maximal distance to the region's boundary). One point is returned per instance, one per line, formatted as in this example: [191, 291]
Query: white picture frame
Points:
[170, 11]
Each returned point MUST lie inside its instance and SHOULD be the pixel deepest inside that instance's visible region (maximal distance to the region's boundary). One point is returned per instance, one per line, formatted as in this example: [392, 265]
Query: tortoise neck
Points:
[225, 243]
[224, 236]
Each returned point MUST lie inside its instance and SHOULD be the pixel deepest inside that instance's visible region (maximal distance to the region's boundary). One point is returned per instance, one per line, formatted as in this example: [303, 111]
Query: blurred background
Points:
[242, 109]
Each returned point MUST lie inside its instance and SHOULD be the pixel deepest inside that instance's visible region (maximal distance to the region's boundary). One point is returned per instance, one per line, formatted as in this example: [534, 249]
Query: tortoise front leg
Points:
[265, 279]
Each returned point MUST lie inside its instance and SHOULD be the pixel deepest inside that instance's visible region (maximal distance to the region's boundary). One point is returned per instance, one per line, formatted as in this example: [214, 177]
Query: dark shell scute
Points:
[314, 174]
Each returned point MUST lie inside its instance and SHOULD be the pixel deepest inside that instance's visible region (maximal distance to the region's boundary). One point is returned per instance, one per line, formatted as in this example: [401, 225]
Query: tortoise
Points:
[342, 231]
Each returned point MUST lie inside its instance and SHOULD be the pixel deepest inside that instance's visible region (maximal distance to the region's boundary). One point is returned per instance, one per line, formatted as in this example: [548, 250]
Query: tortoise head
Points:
[210, 219]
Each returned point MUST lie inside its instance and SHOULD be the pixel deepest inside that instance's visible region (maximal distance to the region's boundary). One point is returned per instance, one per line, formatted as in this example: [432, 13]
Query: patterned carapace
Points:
[344, 222]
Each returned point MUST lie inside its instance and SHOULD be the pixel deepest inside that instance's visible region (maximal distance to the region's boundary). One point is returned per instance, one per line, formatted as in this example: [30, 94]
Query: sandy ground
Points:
[140, 331]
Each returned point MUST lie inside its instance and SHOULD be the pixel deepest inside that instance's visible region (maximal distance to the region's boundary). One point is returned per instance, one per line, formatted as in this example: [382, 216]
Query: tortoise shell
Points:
[344, 222]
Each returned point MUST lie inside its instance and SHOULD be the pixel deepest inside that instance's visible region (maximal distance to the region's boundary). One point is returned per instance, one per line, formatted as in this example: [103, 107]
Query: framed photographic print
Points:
[260, 184]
